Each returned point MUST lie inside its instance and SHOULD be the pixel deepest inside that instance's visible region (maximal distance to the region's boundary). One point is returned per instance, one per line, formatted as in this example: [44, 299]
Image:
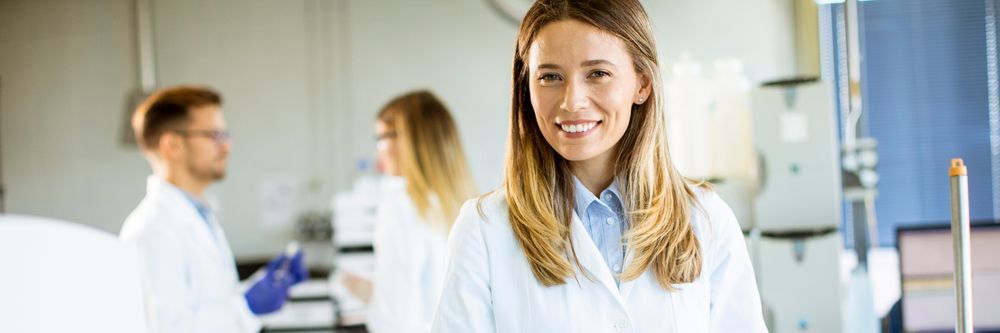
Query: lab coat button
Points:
[621, 326]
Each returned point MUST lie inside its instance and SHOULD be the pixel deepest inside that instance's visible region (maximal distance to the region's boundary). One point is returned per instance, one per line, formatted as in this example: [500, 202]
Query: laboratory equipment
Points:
[688, 100]
[960, 245]
[794, 239]
[353, 236]
[927, 266]
[354, 210]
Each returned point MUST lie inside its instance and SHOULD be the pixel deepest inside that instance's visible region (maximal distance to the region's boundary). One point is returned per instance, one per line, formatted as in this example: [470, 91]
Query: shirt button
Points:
[621, 326]
[610, 221]
[618, 268]
[607, 196]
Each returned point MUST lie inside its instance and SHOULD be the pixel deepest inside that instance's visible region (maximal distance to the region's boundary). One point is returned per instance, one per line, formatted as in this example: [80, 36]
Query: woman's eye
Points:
[549, 77]
[599, 74]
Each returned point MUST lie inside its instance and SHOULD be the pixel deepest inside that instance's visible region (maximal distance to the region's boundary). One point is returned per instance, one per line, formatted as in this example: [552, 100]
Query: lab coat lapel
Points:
[186, 216]
[204, 235]
[626, 286]
[220, 242]
[591, 258]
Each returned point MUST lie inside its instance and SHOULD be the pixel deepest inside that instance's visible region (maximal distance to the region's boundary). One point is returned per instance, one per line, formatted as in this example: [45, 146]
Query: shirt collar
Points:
[584, 198]
[199, 205]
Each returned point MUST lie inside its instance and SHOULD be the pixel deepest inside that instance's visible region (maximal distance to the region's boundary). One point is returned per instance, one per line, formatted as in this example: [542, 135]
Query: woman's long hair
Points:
[430, 156]
[538, 182]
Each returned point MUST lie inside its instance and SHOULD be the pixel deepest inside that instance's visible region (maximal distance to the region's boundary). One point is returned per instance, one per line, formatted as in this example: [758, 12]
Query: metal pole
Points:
[854, 59]
[147, 57]
[960, 243]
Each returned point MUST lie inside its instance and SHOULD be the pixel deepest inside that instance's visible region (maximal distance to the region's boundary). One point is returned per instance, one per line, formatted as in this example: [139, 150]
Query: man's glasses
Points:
[219, 136]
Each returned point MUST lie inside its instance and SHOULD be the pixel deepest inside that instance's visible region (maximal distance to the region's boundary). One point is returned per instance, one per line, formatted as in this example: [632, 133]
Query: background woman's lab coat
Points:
[409, 265]
[188, 270]
[490, 287]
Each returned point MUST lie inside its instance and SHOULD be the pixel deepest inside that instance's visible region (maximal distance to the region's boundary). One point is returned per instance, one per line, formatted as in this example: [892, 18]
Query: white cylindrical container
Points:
[732, 126]
[687, 105]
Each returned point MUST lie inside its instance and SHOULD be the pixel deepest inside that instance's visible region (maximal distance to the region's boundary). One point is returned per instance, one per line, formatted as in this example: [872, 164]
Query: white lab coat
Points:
[409, 265]
[188, 270]
[490, 287]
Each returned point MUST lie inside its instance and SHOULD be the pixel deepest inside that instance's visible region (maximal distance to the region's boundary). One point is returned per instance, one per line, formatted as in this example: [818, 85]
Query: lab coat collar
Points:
[173, 198]
[591, 260]
[694, 218]
[390, 184]
[200, 206]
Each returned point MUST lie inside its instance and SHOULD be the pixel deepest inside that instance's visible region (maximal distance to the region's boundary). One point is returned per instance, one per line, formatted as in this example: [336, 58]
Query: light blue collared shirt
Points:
[201, 207]
[605, 221]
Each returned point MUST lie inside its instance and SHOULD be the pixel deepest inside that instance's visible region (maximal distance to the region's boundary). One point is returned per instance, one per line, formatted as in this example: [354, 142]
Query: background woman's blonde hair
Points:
[538, 182]
[430, 156]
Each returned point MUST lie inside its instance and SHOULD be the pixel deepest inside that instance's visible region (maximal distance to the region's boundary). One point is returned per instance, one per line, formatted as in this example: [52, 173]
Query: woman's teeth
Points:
[578, 127]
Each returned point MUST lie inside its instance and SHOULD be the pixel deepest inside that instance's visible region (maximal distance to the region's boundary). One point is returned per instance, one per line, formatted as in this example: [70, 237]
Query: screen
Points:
[926, 268]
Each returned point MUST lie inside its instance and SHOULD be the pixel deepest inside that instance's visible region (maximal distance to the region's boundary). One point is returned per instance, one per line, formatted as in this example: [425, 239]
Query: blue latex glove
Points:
[270, 293]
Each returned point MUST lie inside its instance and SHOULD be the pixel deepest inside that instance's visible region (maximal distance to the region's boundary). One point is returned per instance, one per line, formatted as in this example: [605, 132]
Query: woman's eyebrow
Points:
[587, 63]
[549, 66]
[596, 62]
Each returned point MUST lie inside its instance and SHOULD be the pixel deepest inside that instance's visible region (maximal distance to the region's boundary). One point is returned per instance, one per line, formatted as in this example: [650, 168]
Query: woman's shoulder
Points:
[485, 208]
[713, 220]
[486, 213]
[392, 194]
[707, 198]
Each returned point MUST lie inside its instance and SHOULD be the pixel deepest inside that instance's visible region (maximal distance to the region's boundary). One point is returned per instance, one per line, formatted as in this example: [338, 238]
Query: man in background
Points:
[188, 268]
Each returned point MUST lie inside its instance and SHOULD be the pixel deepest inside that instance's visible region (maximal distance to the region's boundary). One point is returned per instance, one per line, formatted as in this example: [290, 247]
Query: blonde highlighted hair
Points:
[538, 182]
[430, 156]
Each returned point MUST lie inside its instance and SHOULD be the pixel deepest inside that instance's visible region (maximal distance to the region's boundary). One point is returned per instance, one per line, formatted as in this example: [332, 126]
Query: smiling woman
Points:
[594, 228]
[581, 98]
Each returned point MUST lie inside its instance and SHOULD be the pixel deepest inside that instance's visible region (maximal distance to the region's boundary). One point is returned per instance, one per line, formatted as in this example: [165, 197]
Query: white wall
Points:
[760, 32]
[302, 81]
[458, 49]
[67, 68]
[262, 55]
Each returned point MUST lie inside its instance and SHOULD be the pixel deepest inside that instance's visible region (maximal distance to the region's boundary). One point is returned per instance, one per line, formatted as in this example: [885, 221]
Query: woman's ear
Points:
[645, 86]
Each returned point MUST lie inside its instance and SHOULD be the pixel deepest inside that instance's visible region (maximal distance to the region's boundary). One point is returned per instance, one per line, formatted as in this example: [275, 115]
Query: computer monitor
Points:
[926, 266]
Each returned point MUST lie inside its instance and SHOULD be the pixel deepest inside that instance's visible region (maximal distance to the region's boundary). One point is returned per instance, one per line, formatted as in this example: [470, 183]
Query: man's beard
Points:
[206, 174]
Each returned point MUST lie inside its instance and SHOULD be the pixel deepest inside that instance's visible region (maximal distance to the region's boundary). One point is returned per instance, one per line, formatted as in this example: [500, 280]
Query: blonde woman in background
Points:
[427, 180]
[594, 230]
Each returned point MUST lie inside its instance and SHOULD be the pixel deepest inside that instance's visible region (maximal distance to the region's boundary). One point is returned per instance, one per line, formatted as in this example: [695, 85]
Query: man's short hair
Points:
[169, 109]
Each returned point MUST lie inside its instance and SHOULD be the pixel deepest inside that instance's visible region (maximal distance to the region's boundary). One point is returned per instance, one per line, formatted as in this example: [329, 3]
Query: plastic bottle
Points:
[732, 123]
[687, 106]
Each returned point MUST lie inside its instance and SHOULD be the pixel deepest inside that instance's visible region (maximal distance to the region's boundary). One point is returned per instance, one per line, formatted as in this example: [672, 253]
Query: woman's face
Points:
[387, 151]
[583, 85]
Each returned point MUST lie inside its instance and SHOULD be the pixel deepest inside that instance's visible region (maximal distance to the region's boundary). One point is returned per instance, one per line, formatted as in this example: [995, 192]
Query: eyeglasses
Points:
[219, 136]
[386, 135]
